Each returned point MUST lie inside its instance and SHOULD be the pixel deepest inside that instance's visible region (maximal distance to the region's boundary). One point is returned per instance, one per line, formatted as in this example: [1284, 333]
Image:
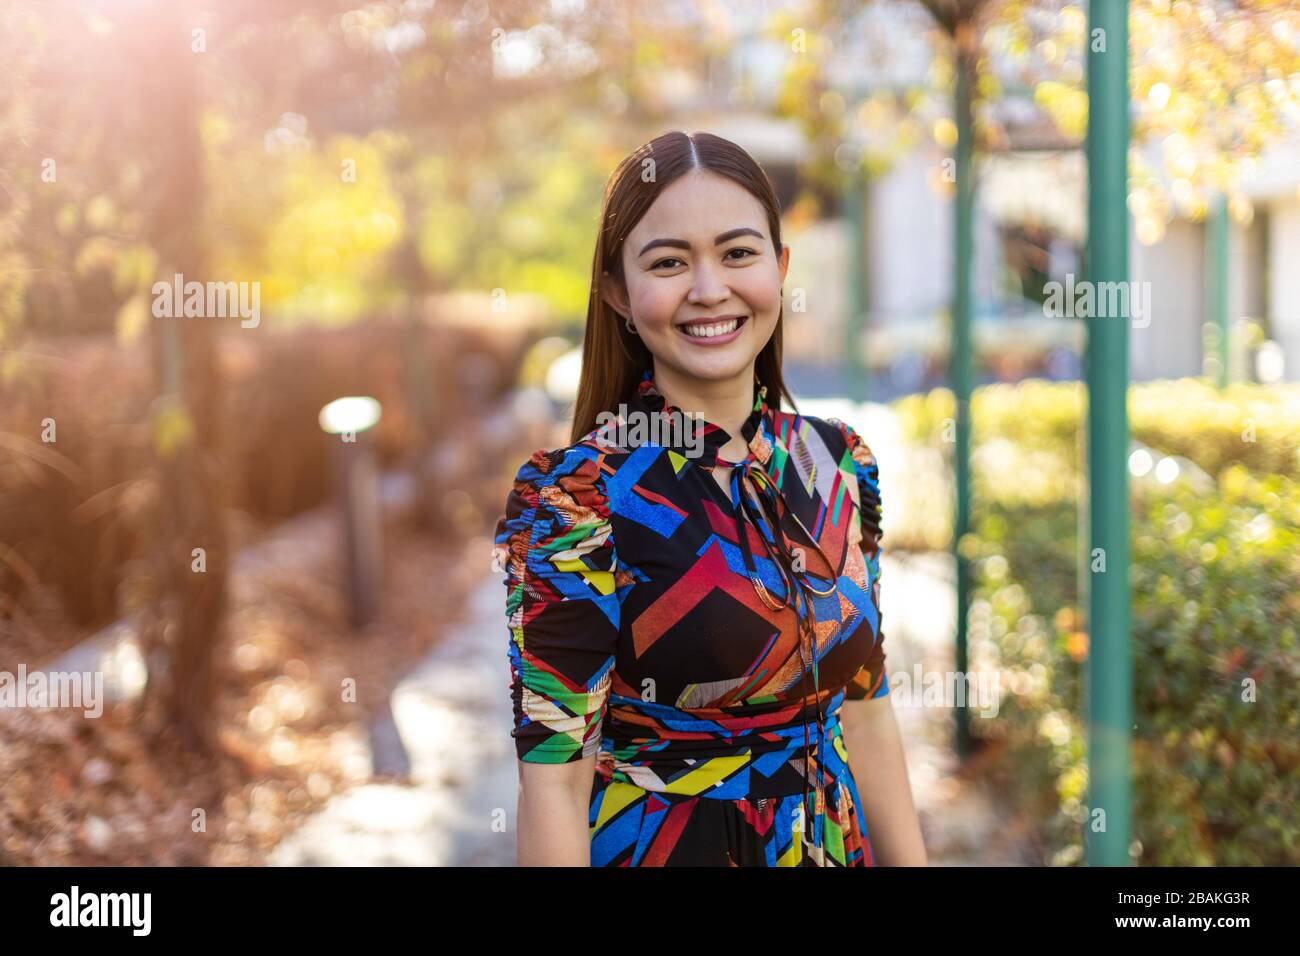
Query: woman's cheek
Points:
[655, 307]
[761, 292]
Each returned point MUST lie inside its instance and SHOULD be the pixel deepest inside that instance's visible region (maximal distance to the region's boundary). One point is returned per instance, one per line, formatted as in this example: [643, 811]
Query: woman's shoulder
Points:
[570, 468]
[837, 435]
[555, 493]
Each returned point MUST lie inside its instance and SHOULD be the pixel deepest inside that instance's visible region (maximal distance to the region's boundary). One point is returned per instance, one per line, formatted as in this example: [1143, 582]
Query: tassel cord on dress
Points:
[766, 517]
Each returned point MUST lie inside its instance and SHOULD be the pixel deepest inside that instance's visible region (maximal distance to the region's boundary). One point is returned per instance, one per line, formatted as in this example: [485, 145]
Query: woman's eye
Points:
[662, 263]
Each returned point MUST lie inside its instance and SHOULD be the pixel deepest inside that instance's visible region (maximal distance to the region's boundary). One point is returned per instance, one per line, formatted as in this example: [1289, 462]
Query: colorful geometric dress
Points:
[699, 646]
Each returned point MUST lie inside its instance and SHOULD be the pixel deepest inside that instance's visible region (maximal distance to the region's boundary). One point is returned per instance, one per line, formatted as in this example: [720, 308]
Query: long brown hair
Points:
[613, 357]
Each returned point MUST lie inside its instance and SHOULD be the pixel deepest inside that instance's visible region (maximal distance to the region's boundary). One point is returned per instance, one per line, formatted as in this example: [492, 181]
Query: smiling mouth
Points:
[720, 328]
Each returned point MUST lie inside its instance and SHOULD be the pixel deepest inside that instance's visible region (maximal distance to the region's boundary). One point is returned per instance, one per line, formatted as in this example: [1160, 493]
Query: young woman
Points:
[693, 602]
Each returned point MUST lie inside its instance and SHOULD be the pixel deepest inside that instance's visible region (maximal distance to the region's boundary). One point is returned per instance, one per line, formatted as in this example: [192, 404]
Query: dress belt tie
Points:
[766, 519]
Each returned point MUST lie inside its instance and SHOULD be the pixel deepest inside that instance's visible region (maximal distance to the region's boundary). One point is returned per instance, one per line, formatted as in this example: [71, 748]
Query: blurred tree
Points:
[1213, 83]
[193, 544]
[346, 156]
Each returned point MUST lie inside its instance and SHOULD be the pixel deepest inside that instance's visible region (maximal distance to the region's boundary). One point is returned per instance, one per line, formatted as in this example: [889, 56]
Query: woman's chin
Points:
[727, 364]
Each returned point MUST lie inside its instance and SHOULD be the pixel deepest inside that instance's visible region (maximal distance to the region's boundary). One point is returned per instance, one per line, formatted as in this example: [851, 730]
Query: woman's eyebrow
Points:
[718, 240]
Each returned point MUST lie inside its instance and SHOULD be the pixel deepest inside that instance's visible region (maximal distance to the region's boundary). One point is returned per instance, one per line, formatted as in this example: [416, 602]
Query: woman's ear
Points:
[614, 293]
[785, 261]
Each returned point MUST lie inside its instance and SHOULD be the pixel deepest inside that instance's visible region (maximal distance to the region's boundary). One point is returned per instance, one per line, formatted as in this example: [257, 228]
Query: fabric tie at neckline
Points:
[766, 518]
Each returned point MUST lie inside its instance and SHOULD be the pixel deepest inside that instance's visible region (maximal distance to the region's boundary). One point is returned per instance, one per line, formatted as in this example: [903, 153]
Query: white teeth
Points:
[709, 331]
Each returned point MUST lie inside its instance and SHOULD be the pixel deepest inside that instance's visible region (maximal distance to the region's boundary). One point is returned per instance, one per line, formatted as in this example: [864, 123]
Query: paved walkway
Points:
[457, 807]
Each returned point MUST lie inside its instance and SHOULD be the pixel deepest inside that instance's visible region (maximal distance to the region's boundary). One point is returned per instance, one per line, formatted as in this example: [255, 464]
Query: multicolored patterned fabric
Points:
[643, 633]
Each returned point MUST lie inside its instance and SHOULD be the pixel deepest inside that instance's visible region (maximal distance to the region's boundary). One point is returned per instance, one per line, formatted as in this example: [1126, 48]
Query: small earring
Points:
[630, 327]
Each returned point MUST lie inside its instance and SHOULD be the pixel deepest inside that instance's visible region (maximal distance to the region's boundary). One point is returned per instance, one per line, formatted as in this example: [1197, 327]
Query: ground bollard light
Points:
[352, 419]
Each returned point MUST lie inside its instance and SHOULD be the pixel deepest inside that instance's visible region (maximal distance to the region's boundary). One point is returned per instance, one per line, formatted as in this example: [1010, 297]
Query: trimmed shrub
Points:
[1216, 647]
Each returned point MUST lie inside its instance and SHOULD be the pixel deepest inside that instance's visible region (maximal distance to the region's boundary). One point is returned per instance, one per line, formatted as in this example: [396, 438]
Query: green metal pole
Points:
[856, 299]
[1110, 666]
[960, 371]
[1216, 279]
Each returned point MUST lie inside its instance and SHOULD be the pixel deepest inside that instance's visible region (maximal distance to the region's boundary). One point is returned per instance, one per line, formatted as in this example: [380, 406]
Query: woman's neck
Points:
[727, 403]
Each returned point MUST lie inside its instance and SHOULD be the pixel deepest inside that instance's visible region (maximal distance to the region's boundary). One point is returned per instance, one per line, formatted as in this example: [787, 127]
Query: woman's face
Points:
[702, 251]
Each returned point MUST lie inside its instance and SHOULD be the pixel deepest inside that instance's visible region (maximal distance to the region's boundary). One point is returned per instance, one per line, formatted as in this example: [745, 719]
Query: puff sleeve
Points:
[556, 548]
[871, 680]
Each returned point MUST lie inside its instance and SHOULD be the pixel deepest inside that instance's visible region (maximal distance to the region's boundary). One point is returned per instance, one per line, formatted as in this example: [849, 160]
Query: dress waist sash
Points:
[723, 754]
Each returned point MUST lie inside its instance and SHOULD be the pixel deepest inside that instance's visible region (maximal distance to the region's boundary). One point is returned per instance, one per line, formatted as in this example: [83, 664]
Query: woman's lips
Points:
[714, 339]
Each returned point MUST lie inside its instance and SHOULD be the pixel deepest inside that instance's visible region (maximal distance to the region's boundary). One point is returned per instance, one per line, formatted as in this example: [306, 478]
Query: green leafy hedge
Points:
[1216, 605]
[1036, 428]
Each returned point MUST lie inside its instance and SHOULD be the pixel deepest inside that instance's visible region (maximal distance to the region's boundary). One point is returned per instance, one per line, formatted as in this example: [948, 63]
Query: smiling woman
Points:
[702, 304]
[688, 622]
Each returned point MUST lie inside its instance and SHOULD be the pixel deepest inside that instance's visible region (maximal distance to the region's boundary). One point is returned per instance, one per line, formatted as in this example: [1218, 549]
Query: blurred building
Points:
[890, 249]
[1262, 283]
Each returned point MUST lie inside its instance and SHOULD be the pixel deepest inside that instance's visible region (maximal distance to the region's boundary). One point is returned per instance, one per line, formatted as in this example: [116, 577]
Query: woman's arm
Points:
[554, 807]
[562, 608]
[876, 757]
